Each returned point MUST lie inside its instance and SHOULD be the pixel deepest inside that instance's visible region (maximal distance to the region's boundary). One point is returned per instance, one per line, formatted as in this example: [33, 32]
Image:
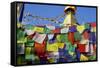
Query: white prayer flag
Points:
[50, 36]
[29, 32]
[87, 47]
[39, 38]
[64, 30]
[50, 27]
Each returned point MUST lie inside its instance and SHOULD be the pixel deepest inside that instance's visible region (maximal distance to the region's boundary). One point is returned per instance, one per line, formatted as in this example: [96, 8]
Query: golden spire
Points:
[70, 18]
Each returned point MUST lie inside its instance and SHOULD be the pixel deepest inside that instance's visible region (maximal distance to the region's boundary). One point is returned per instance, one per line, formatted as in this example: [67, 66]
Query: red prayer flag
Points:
[81, 47]
[71, 37]
[93, 24]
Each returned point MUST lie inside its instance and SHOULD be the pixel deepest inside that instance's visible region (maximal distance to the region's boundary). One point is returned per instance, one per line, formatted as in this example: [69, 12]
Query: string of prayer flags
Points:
[49, 40]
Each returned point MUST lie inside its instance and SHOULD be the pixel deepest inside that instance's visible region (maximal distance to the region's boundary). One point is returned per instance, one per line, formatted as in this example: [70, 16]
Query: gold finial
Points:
[72, 8]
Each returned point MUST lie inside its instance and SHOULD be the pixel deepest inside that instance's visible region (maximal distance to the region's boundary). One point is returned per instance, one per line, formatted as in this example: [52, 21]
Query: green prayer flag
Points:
[29, 27]
[58, 38]
[92, 57]
[21, 36]
[20, 60]
[62, 37]
[30, 42]
[77, 36]
[70, 47]
[46, 30]
[87, 26]
[29, 57]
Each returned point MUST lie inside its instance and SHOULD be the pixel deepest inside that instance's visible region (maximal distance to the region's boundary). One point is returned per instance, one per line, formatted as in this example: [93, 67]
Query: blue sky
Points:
[83, 14]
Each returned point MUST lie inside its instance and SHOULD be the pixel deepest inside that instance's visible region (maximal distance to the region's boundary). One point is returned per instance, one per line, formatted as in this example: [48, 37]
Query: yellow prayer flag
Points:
[28, 50]
[93, 29]
[52, 47]
[51, 60]
[38, 29]
[61, 45]
[71, 53]
[84, 41]
[23, 40]
[80, 28]
[83, 58]
[58, 38]
[19, 25]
